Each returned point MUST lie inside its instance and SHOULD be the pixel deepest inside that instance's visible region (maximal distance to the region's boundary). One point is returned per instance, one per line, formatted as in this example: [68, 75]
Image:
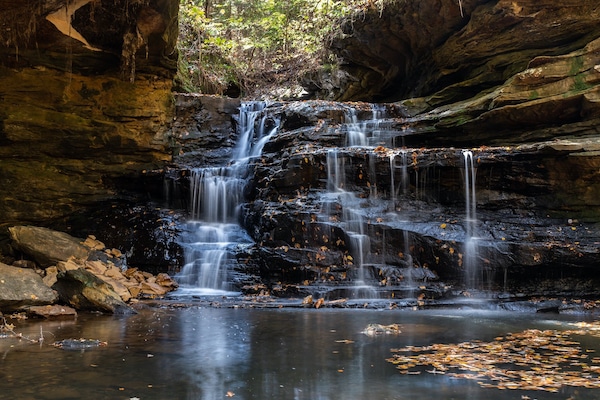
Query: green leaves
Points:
[252, 42]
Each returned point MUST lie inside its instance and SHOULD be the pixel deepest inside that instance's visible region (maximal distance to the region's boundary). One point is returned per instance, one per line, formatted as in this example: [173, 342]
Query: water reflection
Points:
[214, 352]
[206, 353]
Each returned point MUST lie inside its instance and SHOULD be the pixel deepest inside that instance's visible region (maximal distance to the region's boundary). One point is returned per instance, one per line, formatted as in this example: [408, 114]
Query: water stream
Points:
[472, 276]
[362, 134]
[214, 234]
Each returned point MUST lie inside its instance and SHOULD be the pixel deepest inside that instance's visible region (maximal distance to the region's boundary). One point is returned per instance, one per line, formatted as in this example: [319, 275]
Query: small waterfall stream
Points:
[214, 233]
[359, 134]
[470, 251]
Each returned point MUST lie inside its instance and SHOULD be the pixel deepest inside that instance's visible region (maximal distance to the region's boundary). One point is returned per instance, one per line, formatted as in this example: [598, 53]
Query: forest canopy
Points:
[248, 47]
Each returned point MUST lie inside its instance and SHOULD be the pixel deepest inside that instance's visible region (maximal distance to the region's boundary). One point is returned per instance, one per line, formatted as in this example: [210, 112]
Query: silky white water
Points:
[214, 233]
[470, 249]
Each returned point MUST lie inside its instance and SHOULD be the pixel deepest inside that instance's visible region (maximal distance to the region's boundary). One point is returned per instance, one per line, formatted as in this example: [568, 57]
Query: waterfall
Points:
[351, 219]
[214, 233]
[365, 133]
[398, 160]
[404, 179]
[470, 250]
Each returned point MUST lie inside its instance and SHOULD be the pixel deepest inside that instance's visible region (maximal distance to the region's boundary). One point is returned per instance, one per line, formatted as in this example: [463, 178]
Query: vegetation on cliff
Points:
[248, 47]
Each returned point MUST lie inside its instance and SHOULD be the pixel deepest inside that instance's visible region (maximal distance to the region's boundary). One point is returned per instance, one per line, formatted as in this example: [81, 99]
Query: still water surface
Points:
[212, 353]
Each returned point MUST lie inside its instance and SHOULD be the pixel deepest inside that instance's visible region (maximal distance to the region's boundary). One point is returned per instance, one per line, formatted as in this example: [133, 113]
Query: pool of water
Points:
[219, 353]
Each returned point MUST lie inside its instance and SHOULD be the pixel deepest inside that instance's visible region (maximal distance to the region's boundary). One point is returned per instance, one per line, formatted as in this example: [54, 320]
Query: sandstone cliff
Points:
[85, 100]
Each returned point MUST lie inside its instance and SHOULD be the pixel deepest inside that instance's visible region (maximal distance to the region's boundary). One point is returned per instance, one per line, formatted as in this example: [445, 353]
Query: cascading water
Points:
[351, 221]
[398, 160]
[216, 195]
[470, 251]
[365, 133]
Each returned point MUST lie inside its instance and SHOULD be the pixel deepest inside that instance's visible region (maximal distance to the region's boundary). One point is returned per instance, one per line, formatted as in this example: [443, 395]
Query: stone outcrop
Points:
[203, 128]
[451, 50]
[516, 84]
[536, 207]
[85, 102]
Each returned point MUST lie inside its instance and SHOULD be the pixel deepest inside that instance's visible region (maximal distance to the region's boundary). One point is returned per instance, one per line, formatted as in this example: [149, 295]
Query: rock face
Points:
[454, 49]
[85, 101]
[480, 172]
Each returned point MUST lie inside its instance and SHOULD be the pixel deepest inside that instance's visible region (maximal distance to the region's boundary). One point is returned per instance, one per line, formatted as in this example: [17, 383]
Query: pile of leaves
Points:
[530, 360]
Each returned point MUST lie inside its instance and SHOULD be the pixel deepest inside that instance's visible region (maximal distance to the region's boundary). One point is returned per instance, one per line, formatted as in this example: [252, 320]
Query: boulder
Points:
[46, 246]
[20, 287]
[84, 291]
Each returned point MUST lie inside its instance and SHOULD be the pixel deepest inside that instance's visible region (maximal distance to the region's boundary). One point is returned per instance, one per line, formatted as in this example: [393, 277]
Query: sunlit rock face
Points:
[411, 48]
[85, 101]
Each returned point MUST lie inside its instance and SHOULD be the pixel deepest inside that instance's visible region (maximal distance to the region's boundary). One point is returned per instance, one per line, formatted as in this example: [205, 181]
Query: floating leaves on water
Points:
[345, 341]
[78, 344]
[377, 329]
[530, 360]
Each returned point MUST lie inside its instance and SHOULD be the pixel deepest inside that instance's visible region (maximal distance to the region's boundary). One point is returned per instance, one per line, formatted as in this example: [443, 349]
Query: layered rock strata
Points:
[85, 101]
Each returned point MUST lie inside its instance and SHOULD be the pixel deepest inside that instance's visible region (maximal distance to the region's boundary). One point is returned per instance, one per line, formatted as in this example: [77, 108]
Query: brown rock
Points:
[114, 272]
[70, 264]
[91, 108]
[411, 48]
[50, 277]
[46, 246]
[118, 287]
[52, 311]
[166, 281]
[98, 268]
[153, 289]
[92, 243]
[21, 287]
[135, 290]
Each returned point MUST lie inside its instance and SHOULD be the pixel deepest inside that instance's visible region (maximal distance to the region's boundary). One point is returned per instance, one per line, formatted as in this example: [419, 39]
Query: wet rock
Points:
[523, 205]
[204, 128]
[21, 287]
[52, 311]
[144, 235]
